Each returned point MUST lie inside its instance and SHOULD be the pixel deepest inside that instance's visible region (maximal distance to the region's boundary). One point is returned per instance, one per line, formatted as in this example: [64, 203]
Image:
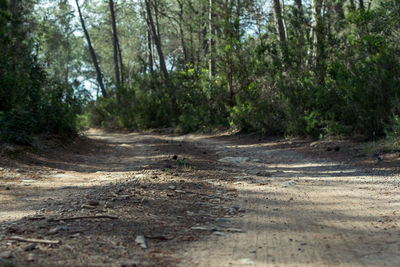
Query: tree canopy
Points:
[298, 67]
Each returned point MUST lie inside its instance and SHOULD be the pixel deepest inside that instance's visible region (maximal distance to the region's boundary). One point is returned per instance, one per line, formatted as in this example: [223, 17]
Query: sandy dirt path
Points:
[303, 211]
[226, 201]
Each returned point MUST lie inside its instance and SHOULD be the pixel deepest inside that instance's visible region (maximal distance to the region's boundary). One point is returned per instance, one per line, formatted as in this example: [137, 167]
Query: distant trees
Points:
[31, 100]
[296, 67]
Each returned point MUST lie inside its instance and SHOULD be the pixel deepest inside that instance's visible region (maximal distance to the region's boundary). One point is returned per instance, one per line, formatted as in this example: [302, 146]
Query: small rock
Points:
[379, 220]
[288, 183]
[291, 198]
[222, 220]
[217, 233]
[235, 230]
[180, 191]
[314, 144]
[140, 240]
[246, 261]
[30, 247]
[54, 230]
[108, 205]
[6, 255]
[174, 157]
[253, 251]
[130, 264]
[30, 257]
[27, 182]
[8, 188]
[76, 235]
[93, 203]
[20, 170]
[200, 228]
[172, 187]
[84, 206]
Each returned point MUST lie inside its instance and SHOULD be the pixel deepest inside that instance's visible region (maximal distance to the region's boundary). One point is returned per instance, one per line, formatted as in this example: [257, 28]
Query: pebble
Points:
[200, 228]
[140, 240]
[30, 247]
[222, 220]
[54, 230]
[180, 191]
[172, 187]
[235, 230]
[84, 206]
[6, 255]
[93, 203]
[31, 257]
[379, 220]
[217, 233]
[246, 261]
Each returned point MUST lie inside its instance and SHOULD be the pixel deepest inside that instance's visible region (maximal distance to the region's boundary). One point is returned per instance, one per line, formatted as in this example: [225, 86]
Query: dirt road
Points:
[197, 201]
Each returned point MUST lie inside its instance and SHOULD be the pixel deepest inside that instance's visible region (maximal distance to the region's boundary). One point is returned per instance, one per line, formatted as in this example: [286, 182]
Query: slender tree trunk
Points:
[211, 42]
[150, 51]
[115, 46]
[121, 65]
[299, 14]
[280, 29]
[92, 53]
[184, 49]
[157, 41]
[149, 41]
[316, 29]
[361, 4]
[192, 61]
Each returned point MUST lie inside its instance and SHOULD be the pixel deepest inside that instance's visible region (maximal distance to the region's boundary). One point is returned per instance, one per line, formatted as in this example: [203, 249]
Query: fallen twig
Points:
[86, 217]
[33, 240]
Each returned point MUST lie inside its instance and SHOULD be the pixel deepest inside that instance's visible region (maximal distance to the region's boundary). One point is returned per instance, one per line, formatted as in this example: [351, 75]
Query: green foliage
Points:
[16, 127]
[31, 102]
[343, 82]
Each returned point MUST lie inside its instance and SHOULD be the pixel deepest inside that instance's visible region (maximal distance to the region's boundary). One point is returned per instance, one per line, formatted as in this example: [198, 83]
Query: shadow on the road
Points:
[165, 216]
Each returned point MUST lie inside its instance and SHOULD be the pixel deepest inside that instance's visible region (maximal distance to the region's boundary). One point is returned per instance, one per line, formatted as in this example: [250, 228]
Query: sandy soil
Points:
[223, 201]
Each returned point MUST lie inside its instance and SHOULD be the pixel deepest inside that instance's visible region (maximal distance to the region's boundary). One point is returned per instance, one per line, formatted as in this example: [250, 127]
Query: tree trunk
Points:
[211, 42]
[157, 41]
[316, 29]
[185, 55]
[115, 46]
[361, 4]
[280, 29]
[299, 14]
[121, 65]
[150, 51]
[92, 52]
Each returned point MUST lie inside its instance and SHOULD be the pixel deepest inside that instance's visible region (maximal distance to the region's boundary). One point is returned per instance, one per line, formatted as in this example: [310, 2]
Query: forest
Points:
[159, 133]
[298, 68]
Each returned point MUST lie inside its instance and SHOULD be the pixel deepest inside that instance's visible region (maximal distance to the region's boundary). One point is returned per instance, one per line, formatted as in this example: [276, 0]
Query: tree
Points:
[156, 37]
[92, 52]
[118, 69]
